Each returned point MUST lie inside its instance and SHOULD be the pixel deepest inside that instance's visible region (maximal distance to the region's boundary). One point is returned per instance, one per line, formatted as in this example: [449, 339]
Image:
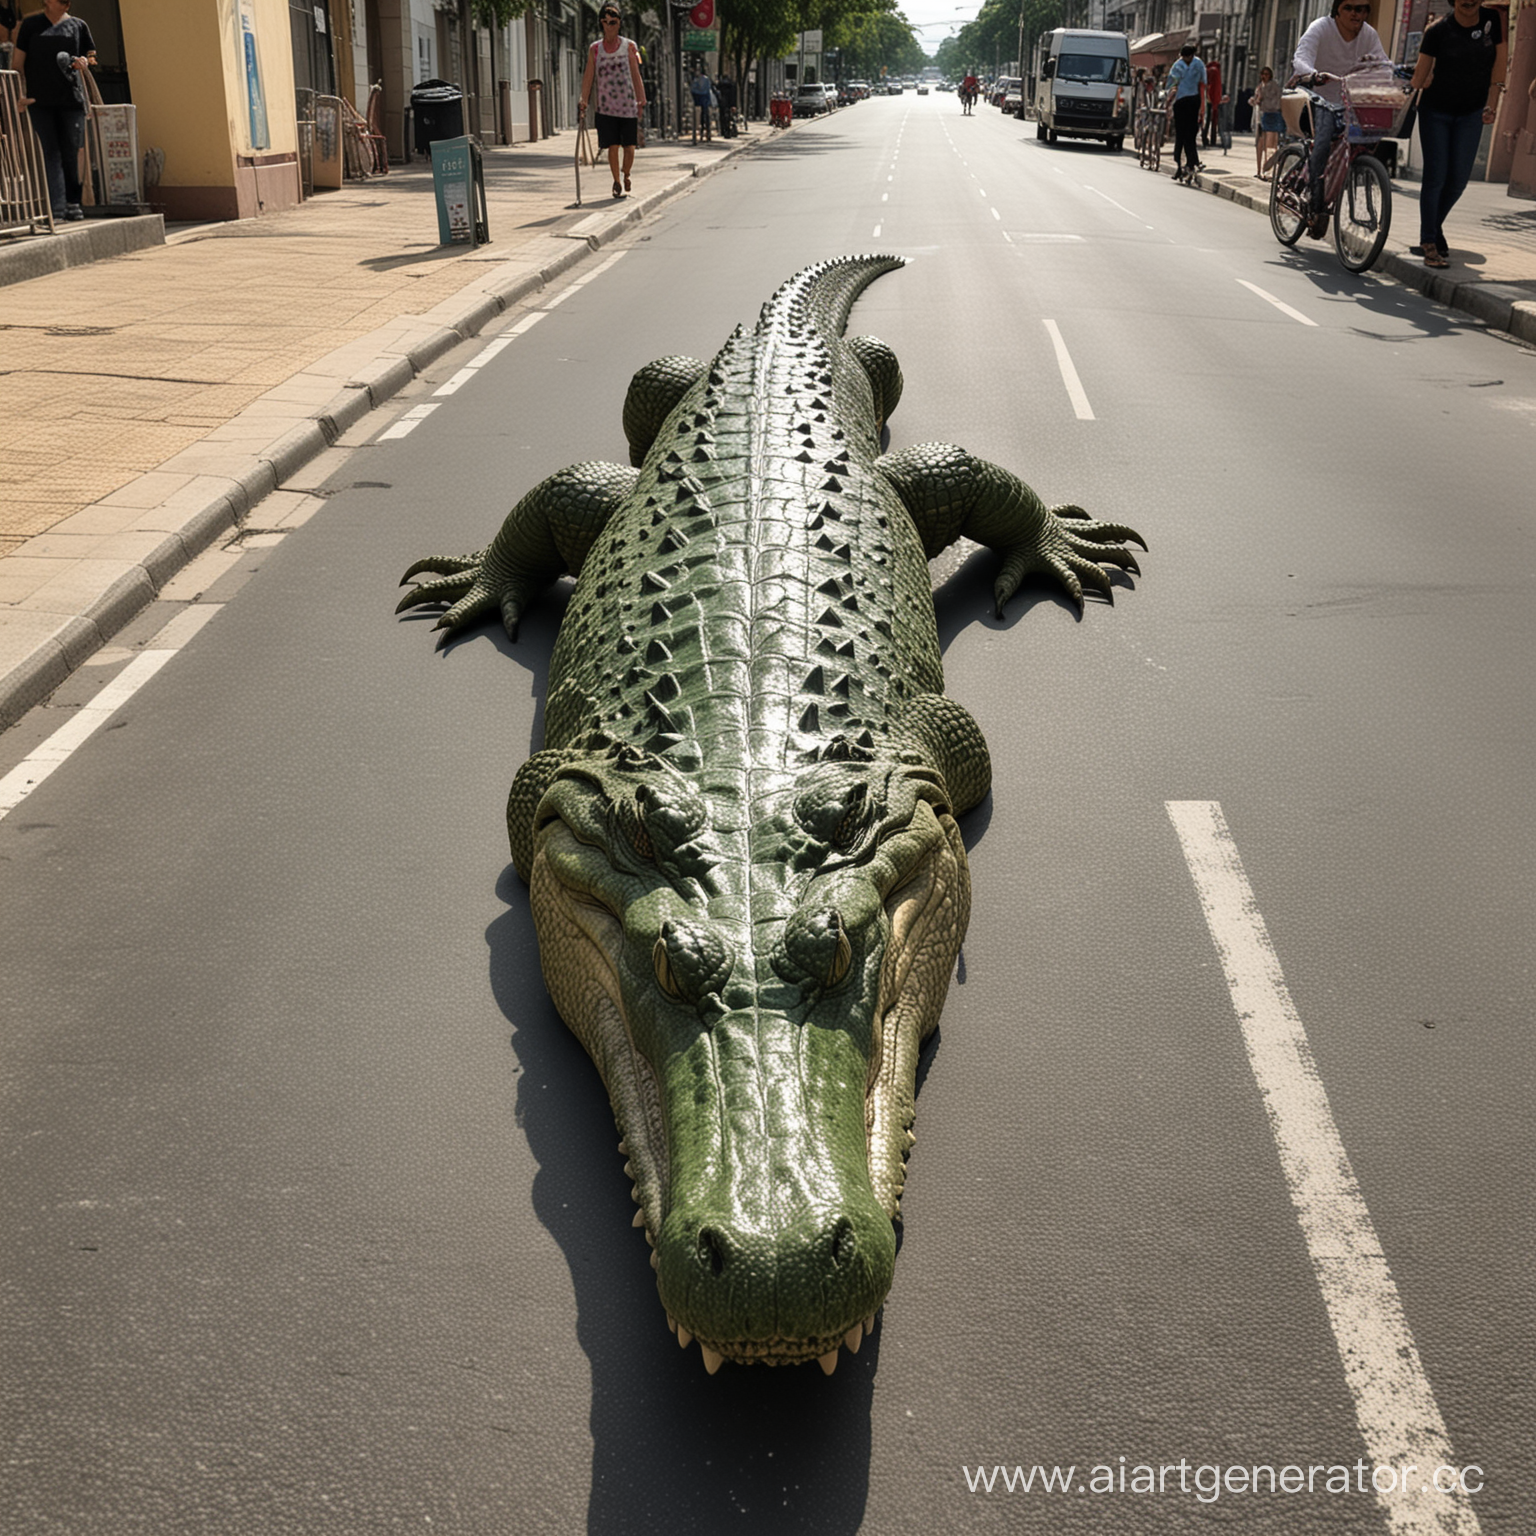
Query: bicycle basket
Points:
[1375, 104]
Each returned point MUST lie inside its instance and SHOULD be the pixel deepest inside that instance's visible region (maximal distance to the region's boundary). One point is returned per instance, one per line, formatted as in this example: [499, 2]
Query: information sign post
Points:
[458, 179]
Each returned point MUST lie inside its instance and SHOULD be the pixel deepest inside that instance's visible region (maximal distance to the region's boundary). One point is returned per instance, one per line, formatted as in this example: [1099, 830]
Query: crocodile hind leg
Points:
[652, 396]
[950, 493]
[548, 533]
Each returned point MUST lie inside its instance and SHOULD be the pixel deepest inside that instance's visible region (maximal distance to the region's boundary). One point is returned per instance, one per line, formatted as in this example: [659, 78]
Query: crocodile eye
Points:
[662, 964]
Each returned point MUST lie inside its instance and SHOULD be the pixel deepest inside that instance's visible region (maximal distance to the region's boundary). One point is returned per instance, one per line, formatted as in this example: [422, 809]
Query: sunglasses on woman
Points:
[609, 16]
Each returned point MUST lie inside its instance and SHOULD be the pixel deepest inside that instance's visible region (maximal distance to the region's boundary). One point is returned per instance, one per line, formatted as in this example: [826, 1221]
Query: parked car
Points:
[1013, 101]
[812, 100]
[1001, 88]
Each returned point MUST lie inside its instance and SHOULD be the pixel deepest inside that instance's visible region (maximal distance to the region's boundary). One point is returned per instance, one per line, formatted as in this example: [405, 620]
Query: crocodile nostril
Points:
[845, 1242]
[711, 1250]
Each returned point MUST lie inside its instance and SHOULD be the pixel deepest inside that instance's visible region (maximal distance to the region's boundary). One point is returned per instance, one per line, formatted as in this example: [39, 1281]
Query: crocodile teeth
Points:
[869, 1323]
[854, 1337]
[712, 1361]
[684, 1338]
[828, 1361]
[655, 1259]
[639, 1220]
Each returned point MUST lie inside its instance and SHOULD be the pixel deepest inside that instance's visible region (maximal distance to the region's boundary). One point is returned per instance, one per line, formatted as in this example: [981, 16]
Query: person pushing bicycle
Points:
[1332, 46]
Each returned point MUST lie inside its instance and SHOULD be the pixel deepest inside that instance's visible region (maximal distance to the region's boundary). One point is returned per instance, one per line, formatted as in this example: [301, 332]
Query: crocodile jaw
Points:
[766, 1136]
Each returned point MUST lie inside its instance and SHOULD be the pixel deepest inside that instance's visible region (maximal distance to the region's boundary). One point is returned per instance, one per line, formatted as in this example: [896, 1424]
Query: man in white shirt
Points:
[1332, 46]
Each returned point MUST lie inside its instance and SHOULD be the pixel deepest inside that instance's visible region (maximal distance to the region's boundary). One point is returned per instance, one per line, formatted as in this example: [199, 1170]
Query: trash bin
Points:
[437, 109]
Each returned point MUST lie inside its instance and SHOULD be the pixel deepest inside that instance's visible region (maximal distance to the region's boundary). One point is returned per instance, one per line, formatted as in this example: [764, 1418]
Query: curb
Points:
[1495, 305]
[219, 500]
[78, 245]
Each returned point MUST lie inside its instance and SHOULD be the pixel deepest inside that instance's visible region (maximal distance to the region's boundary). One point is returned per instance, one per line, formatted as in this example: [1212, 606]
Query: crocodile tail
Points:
[821, 297]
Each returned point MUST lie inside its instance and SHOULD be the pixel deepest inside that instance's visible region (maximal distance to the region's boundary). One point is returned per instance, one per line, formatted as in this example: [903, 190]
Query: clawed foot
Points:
[1074, 548]
[466, 586]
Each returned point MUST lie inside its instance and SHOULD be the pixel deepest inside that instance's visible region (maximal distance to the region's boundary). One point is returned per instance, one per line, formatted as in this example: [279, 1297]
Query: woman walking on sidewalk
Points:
[613, 63]
[1461, 72]
[1266, 102]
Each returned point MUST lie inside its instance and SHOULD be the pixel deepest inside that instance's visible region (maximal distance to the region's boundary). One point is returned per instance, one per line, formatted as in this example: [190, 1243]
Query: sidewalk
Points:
[158, 396]
[1492, 276]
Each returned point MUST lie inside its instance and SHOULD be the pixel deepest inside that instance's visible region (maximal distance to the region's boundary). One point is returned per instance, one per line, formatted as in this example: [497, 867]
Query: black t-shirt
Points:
[1463, 62]
[43, 42]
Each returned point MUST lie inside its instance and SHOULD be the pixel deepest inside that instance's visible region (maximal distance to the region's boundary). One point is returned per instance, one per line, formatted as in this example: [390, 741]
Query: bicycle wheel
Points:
[1364, 214]
[1288, 195]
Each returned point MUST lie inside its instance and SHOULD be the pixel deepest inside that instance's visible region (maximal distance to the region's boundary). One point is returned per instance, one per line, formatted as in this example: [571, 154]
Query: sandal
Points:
[1434, 258]
[626, 181]
[618, 191]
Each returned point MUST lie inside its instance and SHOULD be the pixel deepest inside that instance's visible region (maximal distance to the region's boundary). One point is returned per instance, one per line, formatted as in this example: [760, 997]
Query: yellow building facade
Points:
[213, 85]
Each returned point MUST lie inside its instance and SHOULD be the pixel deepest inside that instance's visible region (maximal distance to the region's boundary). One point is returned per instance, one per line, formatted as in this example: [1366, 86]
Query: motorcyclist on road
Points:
[970, 88]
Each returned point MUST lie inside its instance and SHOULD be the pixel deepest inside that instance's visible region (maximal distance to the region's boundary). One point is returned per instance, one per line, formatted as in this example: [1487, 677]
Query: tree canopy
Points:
[993, 36]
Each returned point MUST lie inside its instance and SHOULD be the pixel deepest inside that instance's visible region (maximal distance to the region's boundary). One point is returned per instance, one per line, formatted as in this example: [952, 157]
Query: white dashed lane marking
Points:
[1399, 1419]
[1269, 298]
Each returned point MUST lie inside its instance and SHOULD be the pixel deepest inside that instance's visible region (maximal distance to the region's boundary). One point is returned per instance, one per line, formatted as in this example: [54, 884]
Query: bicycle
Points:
[1357, 192]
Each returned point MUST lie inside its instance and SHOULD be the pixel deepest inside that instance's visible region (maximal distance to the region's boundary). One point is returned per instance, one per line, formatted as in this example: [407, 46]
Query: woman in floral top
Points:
[613, 64]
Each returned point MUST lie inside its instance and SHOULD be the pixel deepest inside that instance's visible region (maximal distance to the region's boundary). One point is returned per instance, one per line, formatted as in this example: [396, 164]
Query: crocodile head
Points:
[755, 996]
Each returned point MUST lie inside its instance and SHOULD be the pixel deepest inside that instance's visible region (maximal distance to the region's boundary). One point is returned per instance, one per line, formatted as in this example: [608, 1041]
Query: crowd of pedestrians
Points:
[1459, 77]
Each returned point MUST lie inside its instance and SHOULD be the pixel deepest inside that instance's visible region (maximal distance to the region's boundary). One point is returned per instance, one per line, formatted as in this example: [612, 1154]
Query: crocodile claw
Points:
[443, 565]
[446, 589]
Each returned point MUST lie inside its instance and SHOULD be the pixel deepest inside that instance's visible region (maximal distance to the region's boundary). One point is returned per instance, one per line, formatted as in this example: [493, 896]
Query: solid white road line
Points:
[34, 768]
[1069, 377]
[1269, 298]
[528, 321]
[1394, 1406]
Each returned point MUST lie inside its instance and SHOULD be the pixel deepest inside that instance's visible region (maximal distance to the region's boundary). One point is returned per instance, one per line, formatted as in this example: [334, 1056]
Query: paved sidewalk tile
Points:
[130, 362]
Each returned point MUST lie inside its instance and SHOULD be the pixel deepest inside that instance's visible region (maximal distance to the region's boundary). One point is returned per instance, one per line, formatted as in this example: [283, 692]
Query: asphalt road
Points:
[313, 1218]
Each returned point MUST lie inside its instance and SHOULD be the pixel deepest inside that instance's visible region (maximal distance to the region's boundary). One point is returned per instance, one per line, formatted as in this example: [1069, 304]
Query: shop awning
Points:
[1155, 44]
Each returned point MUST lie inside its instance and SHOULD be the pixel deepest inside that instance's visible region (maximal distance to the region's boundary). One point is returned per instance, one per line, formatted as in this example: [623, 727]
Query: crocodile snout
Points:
[776, 1291]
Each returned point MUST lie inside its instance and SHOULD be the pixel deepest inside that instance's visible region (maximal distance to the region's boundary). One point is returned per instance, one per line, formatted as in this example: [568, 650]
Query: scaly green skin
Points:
[740, 836]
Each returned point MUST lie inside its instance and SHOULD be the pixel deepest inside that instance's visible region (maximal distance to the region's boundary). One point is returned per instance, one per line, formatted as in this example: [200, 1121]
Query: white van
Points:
[1083, 86]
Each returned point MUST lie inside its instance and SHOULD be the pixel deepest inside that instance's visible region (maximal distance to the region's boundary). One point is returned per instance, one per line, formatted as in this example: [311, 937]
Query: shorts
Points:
[616, 130]
[1271, 122]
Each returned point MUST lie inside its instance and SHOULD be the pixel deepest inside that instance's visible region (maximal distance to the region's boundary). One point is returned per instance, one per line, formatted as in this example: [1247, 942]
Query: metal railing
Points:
[24, 207]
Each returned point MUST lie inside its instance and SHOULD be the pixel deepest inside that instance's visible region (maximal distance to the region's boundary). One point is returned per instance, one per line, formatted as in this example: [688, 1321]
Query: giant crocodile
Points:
[740, 839]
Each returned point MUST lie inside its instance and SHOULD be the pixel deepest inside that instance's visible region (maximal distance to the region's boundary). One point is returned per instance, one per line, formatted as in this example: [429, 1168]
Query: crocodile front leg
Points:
[950, 493]
[548, 533]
